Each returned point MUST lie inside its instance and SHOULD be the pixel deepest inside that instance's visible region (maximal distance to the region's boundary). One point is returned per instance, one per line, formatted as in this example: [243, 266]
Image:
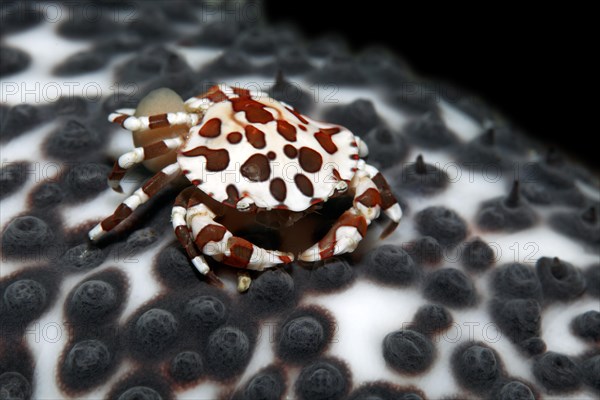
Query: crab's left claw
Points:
[394, 213]
[389, 204]
[343, 237]
[371, 195]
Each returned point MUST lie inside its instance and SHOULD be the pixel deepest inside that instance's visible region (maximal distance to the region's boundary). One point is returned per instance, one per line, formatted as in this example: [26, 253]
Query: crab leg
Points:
[127, 120]
[138, 155]
[371, 195]
[182, 232]
[389, 204]
[140, 196]
[215, 240]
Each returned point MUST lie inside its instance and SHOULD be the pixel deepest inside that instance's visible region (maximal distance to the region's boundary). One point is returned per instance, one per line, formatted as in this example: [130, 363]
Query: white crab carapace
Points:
[255, 154]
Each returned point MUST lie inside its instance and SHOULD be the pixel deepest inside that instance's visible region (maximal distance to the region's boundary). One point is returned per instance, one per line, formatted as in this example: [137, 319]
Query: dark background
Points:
[534, 66]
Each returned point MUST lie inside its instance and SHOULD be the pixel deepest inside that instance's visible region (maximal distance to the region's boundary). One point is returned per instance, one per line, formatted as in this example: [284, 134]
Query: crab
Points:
[245, 151]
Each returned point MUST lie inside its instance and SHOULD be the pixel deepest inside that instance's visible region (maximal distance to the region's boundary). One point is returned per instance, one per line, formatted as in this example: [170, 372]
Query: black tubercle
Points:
[510, 213]
[451, 287]
[391, 265]
[408, 352]
[421, 179]
[304, 335]
[561, 281]
[443, 224]
[267, 384]
[476, 367]
[557, 372]
[323, 379]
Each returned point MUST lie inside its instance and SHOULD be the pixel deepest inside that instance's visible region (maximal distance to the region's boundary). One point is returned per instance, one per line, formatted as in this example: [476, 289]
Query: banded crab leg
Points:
[389, 204]
[195, 107]
[215, 240]
[371, 195]
[138, 155]
[183, 234]
[126, 118]
[140, 196]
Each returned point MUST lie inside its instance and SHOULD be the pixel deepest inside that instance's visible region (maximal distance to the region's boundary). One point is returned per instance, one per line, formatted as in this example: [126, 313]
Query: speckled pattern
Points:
[489, 288]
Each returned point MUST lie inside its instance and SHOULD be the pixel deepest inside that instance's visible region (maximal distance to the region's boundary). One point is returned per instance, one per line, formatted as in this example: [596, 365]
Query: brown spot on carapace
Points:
[337, 174]
[297, 115]
[234, 137]
[287, 130]
[216, 160]
[210, 233]
[310, 160]
[387, 198]
[271, 155]
[241, 92]
[324, 135]
[290, 151]
[255, 137]
[302, 127]
[158, 121]
[255, 111]
[370, 198]
[304, 185]
[354, 157]
[214, 94]
[241, 252]
[278, 189]
[211, 128]
[256, 168]
[233, 195]
[197, 182]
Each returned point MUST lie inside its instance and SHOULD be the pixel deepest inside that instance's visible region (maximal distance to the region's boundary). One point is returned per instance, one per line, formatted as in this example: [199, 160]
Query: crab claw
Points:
[394, 213]
[343, 237]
